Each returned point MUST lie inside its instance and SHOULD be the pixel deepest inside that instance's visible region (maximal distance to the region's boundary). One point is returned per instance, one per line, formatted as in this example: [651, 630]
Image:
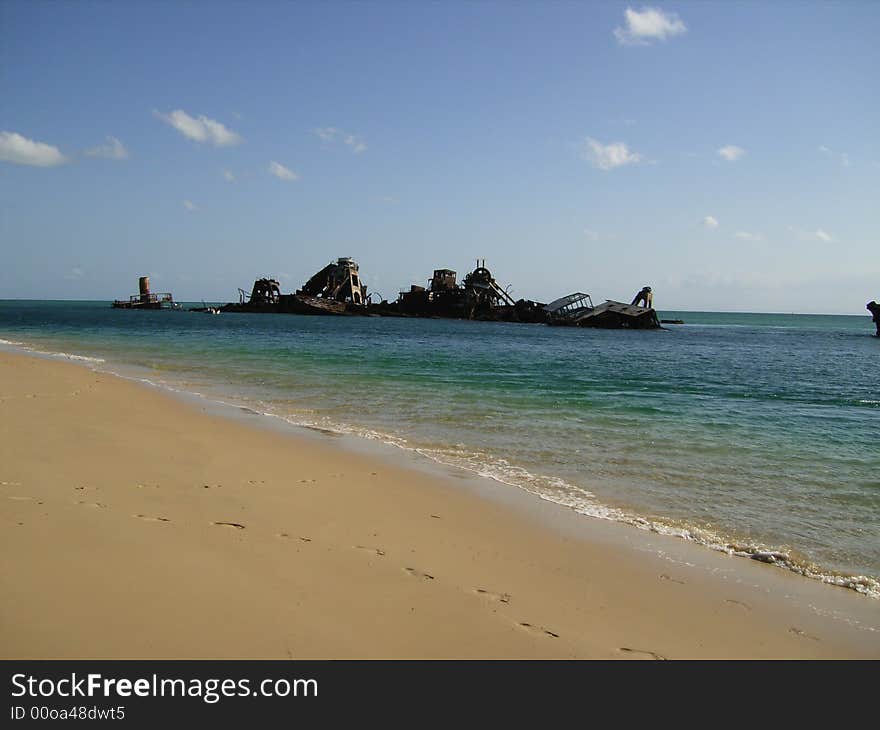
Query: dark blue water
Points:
[748, 432]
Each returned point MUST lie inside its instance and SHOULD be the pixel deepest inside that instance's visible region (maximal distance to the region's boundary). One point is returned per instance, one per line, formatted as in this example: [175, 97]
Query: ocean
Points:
[756, 434]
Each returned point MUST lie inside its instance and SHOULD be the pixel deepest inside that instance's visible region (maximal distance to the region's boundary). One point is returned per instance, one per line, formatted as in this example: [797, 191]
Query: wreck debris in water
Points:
[335, 289]
[479, 296]
[146, 299]
[578, 310]
[874, 309]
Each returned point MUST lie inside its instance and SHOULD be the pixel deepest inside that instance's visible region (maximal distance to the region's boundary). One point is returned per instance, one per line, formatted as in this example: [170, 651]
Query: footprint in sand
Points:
[419, 574]
[375, 551]
[94, 504]
[236, 525]
[307, 481]
[499, 597]
[663, 576]
[642, 653]
[147, 518]
[286, 536]
[746, 606]
[802, 634]
[538, 629]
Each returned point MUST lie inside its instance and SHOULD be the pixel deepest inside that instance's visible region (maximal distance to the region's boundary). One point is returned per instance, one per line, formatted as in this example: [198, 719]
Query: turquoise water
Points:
[753, 433]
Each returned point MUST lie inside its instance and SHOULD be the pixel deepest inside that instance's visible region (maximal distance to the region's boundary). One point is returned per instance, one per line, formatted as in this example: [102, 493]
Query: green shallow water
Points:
[748, 432]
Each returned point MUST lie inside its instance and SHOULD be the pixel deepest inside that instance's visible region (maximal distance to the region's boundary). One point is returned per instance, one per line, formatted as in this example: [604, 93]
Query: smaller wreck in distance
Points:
[337, 289]
[145, 299]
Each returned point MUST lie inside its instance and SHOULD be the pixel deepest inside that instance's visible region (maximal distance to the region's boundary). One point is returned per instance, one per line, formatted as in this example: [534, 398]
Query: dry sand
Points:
[135, 525]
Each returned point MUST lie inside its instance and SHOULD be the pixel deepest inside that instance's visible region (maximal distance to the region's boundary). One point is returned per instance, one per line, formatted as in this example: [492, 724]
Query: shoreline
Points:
[395, 447]
[190, 534]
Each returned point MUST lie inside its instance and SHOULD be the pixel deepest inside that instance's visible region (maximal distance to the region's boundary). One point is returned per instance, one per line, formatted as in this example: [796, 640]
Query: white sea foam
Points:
[69, 356]
[50, 353]
[584, 502]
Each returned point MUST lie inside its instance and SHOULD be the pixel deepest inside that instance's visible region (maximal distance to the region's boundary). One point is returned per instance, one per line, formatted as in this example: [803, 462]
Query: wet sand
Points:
[136, 525]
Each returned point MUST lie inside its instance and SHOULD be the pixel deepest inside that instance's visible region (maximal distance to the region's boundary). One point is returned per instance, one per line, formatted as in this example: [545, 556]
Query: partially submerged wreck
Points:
[479, 296]
[578, 310]
[337, 289]
[145, 299]
[874, 309]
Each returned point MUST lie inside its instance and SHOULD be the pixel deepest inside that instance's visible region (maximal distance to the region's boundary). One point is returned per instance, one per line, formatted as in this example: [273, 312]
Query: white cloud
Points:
[817, 235]
[746, 236]
[332, 134]
[710, 222]
[328, 134]
[113, 150]
[190, 206]
[647, 25]
[23, 151]
[75, 273]
[844, 157]
[607, 157]
[202, 129]
[228, 176]
[731, 152]
[281, 172]
[356, 143]
[592, 235]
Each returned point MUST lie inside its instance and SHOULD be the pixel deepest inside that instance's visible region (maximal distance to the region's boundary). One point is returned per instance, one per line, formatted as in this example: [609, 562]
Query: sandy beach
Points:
[136, 525]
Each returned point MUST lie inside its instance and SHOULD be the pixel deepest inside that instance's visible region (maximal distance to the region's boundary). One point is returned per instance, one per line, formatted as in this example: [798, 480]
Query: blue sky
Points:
[727, 154]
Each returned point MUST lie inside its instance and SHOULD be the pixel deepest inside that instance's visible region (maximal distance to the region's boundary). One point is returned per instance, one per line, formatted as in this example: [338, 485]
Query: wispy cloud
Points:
[282, 172]
[228, 176]
[746, 236]
[731, 152]
[591, 234]
[190, 206]
[648, 25]
[817, 234]
[20, 150]
[844, 157]
[200, 129]
[75, 273]
[710, 221]
[113, 150]
[332, 134]
[608, 156]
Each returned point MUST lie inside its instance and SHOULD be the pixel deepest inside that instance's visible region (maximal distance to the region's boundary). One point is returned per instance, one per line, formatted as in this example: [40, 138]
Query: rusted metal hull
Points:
[612, 315]
[291, 304]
